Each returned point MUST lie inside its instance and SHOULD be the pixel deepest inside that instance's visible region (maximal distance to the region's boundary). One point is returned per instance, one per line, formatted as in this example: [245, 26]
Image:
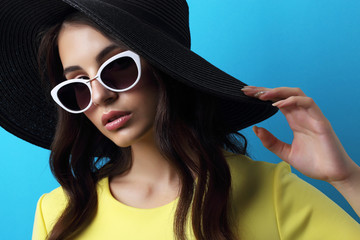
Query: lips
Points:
[115, 119]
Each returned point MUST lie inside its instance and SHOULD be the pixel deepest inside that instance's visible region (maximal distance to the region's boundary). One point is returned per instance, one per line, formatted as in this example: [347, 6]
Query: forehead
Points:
[79, 41]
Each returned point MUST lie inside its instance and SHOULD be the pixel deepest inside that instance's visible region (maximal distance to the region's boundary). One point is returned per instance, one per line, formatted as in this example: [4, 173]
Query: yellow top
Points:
[268, 200]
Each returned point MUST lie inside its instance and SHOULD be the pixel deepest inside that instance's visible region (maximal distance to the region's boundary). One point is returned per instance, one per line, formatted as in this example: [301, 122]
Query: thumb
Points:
[269, 141]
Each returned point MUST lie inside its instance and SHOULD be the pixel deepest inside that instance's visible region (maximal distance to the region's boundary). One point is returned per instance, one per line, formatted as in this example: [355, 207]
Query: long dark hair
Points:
[190, 134]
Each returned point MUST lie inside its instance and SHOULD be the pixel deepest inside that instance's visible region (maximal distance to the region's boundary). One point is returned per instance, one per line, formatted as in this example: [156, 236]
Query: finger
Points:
[281, 149]
[303, 110]
[278, 94]
[275, 94]
[253, 91]
[295, 101]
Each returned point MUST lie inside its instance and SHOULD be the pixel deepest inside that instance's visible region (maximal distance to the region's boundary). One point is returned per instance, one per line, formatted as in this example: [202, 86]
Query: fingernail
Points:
[258, 94]
[255, 128]
[246, 88]
[275, 104]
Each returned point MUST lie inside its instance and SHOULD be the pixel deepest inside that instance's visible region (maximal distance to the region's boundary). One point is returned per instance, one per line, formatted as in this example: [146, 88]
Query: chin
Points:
[127, 138]
[122, 143]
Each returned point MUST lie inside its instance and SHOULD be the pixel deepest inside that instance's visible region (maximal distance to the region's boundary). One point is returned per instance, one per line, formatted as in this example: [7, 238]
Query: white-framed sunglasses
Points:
[118, 74]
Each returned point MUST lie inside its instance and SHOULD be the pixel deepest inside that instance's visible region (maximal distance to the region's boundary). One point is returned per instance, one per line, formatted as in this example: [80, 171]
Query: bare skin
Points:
[315, 150]
[152, 181]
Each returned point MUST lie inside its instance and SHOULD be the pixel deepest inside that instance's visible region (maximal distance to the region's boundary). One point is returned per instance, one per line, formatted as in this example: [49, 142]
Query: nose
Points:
[101, 95]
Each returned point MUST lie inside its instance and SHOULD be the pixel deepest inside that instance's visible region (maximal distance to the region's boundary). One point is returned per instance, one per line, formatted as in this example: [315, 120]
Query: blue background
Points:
[311, 44]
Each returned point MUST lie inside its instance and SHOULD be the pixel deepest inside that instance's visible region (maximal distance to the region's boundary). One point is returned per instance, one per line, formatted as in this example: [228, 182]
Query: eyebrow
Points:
[99, 58]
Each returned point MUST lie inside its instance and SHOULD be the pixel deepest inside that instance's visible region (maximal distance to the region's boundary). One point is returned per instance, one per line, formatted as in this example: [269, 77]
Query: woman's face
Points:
[125, 117]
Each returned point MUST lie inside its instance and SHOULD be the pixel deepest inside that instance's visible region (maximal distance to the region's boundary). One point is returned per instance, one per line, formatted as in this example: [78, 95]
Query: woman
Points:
[159, 148]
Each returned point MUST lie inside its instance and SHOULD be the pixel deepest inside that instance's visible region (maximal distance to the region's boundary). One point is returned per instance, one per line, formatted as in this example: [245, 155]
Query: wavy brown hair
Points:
[190, 134]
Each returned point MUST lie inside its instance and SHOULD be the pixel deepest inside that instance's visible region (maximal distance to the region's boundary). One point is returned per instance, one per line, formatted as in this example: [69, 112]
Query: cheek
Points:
[92, 115]
[151, 97]
[144, 103]
[149, 85]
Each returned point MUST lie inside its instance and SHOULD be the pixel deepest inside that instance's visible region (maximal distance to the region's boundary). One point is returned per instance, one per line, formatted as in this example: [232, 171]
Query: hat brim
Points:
[28, 112]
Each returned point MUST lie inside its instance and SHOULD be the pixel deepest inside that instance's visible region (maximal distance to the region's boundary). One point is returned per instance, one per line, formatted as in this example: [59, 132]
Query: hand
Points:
[315, 150]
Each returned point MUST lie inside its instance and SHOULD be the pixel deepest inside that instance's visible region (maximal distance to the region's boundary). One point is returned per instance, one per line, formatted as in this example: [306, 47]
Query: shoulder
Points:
[287, 207]
[56, 200]
[245, 170]
[254, 183]
[238, 162]
[49, 208]
[56, 197]
[252, 200]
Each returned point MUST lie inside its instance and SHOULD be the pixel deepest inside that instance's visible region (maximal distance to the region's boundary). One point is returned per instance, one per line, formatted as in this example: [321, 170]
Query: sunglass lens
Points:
[120, 73]
[75, 96]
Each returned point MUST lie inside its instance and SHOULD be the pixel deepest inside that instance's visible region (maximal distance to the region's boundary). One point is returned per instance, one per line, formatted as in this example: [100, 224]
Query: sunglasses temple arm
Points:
[90, 80]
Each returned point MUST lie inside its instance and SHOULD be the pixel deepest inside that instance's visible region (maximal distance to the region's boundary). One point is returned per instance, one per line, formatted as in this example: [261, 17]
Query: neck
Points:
[151, 182]
[149, 165]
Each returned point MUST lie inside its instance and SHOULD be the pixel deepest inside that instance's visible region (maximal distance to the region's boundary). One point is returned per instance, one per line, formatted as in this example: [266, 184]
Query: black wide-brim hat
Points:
[158, 30]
